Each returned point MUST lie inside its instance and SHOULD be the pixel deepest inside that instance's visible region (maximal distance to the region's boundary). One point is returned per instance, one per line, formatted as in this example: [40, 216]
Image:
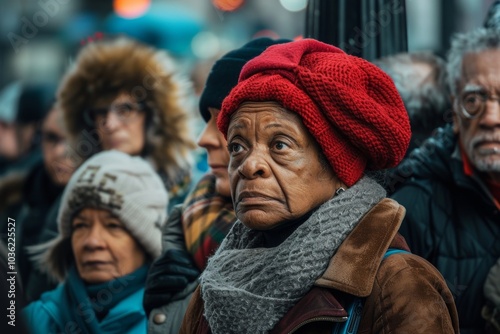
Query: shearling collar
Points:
[353, 268]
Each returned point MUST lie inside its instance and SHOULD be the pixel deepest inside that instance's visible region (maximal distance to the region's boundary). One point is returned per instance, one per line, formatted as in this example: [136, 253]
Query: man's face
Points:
[480, 136]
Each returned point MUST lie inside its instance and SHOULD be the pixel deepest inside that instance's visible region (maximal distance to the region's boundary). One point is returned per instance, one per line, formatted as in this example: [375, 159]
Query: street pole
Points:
[365, 28]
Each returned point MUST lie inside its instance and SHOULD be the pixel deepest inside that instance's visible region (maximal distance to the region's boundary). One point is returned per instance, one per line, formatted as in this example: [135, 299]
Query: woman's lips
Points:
[253, 197]
[218, 168]
[96, 263]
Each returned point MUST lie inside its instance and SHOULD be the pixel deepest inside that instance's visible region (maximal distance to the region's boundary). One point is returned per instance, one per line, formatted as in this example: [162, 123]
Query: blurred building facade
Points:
[41, 37]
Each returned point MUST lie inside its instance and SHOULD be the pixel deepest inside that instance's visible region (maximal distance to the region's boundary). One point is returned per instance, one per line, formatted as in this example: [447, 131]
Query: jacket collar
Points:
[353, 268]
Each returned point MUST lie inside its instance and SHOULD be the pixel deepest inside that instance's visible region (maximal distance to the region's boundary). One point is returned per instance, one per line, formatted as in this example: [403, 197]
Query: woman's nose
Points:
[254, 165]
[95, 238]
[112, 121]
[209, 138]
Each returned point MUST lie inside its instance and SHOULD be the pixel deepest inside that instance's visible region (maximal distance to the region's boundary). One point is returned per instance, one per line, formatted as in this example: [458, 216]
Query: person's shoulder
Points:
[410, 272]
[54, 296]
[410, 287]
[399, 263]
[418, 196]
[41, 313]
[430, 165]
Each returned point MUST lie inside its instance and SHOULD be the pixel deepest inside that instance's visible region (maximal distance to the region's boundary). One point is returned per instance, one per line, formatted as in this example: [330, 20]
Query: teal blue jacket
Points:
[44, 316]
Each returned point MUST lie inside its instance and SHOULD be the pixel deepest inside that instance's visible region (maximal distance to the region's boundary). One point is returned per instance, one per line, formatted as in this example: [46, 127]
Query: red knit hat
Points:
[349, 105]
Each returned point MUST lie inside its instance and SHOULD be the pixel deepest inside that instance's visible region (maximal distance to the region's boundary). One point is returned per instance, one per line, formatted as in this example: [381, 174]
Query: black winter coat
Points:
[35, 218]
[452, 221]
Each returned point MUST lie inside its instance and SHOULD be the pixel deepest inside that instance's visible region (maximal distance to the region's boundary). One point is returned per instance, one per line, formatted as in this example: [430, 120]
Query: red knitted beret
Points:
[349, 105]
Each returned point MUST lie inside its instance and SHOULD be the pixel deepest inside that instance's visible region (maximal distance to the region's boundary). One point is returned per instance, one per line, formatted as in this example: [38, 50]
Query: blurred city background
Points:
[41, 37]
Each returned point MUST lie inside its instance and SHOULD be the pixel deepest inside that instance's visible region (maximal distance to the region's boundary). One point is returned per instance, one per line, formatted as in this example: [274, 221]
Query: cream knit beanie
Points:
[126, 186]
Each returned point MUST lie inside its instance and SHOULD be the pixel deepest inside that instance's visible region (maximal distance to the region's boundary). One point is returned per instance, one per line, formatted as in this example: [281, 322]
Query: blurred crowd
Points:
[284, 186]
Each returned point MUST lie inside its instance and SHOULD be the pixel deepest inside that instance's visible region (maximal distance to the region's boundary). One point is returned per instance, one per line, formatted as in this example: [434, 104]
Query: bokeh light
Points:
[131, 9]
[205, 45]
[266, 33]
[228, 5]
[294, 5]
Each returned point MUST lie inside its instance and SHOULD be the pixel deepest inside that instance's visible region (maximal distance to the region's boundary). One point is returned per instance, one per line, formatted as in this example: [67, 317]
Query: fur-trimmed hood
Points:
[106, 68]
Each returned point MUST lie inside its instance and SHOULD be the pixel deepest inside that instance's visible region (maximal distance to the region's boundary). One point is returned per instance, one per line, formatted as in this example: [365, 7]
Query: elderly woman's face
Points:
[275, 171]
[121, 124]
[103, 248]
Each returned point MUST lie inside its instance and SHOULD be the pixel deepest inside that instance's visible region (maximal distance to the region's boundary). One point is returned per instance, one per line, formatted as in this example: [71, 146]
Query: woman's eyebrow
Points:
[110, 215]
[273, 125]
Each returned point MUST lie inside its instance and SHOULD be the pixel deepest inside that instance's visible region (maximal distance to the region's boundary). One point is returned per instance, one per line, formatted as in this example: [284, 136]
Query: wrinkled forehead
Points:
[481, 69]
[263, 115]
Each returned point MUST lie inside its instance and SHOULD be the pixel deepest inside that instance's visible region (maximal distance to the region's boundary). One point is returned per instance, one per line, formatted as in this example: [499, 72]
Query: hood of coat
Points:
[105, 69]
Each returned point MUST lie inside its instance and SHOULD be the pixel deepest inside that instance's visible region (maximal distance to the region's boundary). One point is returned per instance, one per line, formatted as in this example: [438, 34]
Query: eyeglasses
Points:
[474, 103]
[125, 112]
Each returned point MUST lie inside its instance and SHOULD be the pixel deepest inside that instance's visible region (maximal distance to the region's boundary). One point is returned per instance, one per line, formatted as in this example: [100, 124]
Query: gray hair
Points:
[475, 41]
[425, 98]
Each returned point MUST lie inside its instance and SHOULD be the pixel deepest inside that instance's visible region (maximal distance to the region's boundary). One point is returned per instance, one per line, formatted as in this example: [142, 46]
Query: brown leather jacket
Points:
[404, 293]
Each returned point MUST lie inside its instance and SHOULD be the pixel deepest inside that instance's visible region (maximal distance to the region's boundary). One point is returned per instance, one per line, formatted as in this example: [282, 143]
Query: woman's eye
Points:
[280, 145]
[124, 110]
[79, 225]
[234, 148]
[114, 225]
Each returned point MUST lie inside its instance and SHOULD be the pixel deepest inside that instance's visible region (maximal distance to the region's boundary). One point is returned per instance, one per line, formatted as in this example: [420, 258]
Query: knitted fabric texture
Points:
[206, 219]
[225, 72]
[127, 187]
[349, 105]
[247, 288]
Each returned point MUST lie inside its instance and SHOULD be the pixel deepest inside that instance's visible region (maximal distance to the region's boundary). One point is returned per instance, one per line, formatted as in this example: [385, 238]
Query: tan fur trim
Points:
[105, 69]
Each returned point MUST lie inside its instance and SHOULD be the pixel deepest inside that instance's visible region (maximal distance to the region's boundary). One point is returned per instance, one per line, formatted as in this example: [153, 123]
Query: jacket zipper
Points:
[332, 319]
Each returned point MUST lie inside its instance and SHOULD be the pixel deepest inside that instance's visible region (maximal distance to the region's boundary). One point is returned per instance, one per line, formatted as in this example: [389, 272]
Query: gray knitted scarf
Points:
[247, 288]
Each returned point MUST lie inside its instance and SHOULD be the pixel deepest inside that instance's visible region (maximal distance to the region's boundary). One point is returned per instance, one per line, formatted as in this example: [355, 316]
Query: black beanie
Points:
[35, 102]
[226, 71]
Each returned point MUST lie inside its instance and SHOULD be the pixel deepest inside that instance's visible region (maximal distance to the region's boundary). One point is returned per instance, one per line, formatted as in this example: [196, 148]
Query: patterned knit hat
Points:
[126, 186]
[225, 72]
[350, 106]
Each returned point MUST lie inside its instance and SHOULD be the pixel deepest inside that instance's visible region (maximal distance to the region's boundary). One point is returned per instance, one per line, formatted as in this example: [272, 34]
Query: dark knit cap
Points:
[225, 72]
[349, 105]
[35, 102]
